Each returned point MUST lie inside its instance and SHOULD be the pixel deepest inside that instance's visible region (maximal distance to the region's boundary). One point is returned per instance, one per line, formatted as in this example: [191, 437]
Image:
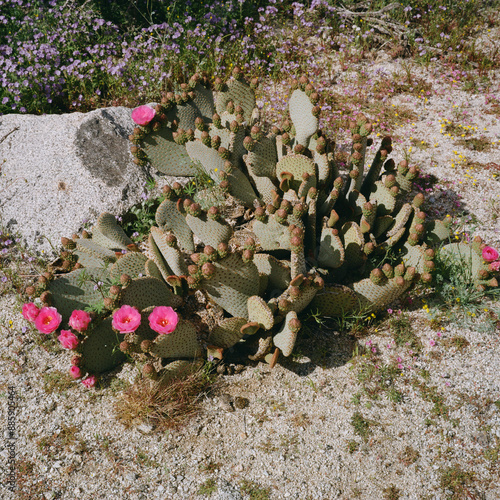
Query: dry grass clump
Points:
[163, 406]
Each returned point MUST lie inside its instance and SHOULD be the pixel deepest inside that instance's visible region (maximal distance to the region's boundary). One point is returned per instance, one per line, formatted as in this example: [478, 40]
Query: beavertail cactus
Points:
[292, 231]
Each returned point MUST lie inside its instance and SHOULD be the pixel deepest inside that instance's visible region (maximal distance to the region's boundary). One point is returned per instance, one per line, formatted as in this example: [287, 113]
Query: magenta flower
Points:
[89, 381]
[432, 342]
[68, 339]
[30, 311]
[75, 372]
[79, 320]
[143, 115]
[48, 320]
[489, 254]
[126, 319]
[163, 319]
[495, 266]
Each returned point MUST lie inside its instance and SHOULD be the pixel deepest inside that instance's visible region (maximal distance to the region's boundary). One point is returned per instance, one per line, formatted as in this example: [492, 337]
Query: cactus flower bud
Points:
[223, 249]
[46, 298]
[109, 303]
[125, 279]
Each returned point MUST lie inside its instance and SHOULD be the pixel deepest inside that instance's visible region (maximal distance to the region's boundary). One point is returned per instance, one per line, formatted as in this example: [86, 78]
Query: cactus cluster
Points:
[306, 234]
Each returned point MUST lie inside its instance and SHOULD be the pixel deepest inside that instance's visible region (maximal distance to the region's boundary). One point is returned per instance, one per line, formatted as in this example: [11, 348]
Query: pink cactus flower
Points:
[432, 343]
[75, 372]
[163, 319]
[489, 254]
[89, 381]
[495, 266]
[79, 320]
[143, 115]
[48, 320]
[68, 339]
[30, 311]
[126, 319]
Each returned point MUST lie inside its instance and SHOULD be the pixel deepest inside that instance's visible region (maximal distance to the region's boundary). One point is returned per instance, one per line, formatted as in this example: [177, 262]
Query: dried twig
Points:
[8, 133]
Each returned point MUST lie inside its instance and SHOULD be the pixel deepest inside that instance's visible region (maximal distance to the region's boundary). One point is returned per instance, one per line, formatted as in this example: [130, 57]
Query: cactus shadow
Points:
[320, 345]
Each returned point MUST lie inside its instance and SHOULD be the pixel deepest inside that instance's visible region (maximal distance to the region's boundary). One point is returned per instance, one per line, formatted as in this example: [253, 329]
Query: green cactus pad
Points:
[100, 350]
[356, 201]
[68, 295]
[324, 167]
[286, 337]
[165, 155]
[109, 234]
[298, 304]
[385, 201]
[414, 256]
[396, 237]
[152, 269]
[382, 224]
[209, 158]
[89, 261]
[401, 219]
[297, 165]
[271, 235]
[335, 301]
[178, 369]
[261, 161]
[240, 187]
[181, 343]
[148, 291]
[204, 101]
[353, 244]
[232, 284]
[331, 250]
[259, 312]
[264, 346]
[265, 187]
[437, 232]
[374, 297]
[240, 93]
[132, 263]
[278, 271]
[169, 218]
[464, 253]
[304, 121]
[227, 333]
[91, 248]
[173, 257]
[154, 253]
[209, 231]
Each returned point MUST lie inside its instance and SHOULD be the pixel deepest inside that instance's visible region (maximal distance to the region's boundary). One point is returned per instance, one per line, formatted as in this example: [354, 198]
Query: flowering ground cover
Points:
[400, 404]
[59, 56]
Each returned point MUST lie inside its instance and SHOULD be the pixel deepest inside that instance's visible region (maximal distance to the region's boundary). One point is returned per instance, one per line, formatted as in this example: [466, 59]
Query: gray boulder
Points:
[59, 171]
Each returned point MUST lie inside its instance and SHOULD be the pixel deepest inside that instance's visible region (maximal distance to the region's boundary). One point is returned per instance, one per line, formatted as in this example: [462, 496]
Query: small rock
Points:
[145, 428]
[239, 368]
[241, 403]
[243, 435]
[49, 495]
[221, 369]
[226, 402]
[131, 476]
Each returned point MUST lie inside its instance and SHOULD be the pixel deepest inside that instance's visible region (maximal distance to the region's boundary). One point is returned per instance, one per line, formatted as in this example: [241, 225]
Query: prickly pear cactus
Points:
[303, 234]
